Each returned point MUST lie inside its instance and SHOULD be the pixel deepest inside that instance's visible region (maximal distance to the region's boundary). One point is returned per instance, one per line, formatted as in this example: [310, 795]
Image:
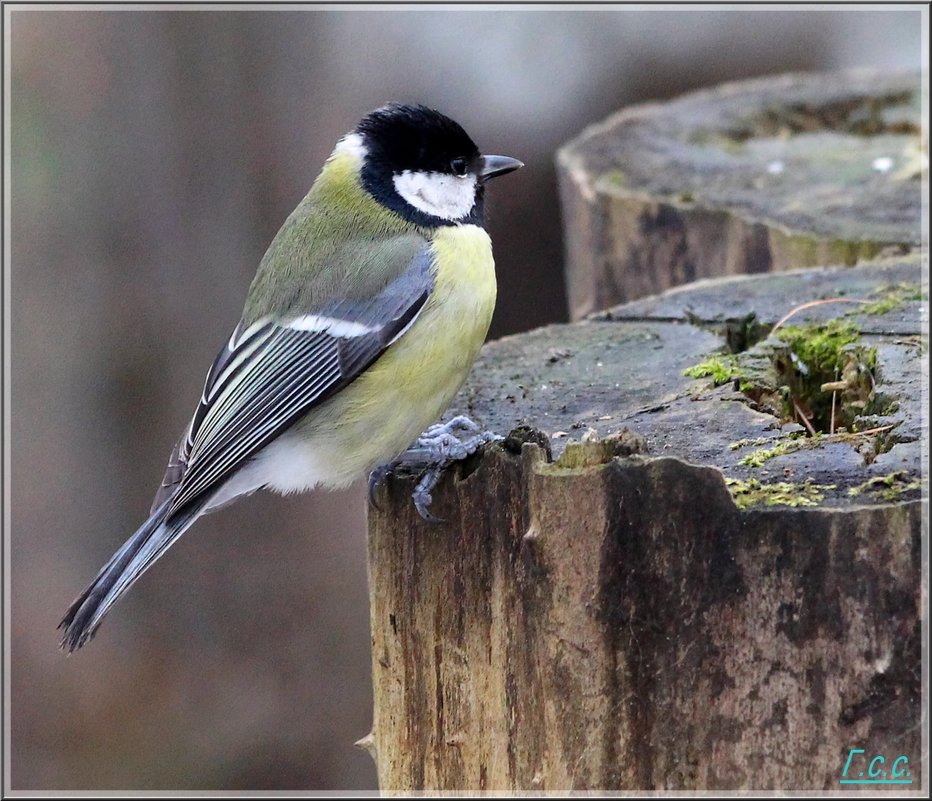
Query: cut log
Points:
[623, 626]
[694, 563]
[654, 582]
[764, 175]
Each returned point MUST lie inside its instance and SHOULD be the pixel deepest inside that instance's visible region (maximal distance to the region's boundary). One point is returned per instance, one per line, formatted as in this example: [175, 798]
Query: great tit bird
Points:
[361, 324]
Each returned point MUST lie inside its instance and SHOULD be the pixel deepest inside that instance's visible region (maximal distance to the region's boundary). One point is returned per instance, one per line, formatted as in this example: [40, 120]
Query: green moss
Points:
[747, 387]
[784, 375]
[721, 369]
[794, 443]
[578, 457]
[758, 458]
[746, 443]
[889, 487]
[819, 346]
[892, 297]
[751, 492]
[893, 493]
[882, 306]
[798, 441]
[889, 408]
[806, 357]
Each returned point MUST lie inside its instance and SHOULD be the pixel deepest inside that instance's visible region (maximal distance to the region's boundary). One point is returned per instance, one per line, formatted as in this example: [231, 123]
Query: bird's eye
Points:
[458, 165]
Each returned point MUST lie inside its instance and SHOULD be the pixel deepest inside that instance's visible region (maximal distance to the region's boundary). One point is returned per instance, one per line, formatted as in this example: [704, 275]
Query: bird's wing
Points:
[273, 371]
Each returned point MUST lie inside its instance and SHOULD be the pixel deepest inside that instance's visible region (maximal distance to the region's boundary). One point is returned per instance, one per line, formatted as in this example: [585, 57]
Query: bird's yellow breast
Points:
[449, 332]
[384, 410]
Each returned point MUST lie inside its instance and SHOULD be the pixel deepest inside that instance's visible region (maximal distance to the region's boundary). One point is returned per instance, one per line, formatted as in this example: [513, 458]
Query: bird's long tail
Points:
[135, 556]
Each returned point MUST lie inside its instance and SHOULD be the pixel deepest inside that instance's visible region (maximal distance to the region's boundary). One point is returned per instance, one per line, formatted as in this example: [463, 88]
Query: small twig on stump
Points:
[804, 418]
[812, 303]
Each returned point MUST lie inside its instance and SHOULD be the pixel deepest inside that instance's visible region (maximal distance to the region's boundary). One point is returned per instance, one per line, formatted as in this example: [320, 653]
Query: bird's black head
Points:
[423, 165]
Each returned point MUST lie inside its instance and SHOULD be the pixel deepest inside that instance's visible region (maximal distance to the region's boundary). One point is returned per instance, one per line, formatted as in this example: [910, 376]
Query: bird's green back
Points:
[338, 243]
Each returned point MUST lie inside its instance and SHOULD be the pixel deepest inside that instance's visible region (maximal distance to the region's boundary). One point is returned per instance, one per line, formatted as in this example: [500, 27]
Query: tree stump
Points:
[662, 579]
[758, 176]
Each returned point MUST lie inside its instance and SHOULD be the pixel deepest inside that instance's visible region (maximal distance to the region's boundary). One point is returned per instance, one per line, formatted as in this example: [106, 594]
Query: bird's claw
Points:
[459, 423]
[435, 450]
[422, 497]
[376, 477]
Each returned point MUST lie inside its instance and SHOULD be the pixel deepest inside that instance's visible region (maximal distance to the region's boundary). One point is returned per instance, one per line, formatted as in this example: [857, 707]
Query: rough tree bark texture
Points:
[658, 580]
[758, 176]
[624, 626]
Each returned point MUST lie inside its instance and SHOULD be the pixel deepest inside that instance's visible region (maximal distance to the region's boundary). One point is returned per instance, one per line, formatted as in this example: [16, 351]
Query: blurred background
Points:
[154, 156]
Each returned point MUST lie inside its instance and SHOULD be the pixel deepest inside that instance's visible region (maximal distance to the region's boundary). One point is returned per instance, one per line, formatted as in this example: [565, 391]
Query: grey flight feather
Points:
[270, 375]
[267, 377]
[146, 545]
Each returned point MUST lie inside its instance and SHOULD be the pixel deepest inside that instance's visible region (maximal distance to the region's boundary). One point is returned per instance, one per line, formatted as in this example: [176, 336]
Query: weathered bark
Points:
[607, 621]
[759, 176]
[657, 581]
[624, 626]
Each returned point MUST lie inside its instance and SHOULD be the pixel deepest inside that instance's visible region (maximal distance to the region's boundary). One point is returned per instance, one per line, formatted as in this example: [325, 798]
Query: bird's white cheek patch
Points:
[450, 197]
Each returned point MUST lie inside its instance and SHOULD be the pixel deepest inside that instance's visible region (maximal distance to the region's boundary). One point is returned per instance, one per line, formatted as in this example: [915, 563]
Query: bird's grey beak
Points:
[498, 165]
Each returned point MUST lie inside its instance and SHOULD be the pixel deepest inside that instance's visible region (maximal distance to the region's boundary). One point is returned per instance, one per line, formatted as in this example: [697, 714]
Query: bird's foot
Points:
[376, 477]
[434, 451]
